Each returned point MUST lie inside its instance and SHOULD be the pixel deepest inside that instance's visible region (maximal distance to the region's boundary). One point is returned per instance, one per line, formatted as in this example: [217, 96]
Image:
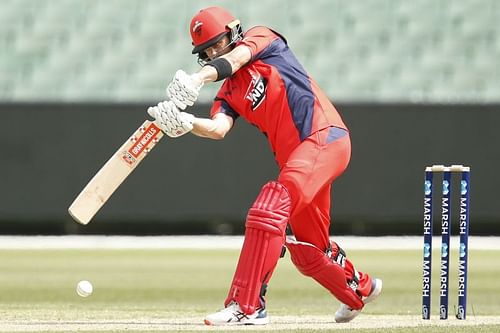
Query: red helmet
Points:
[210, 25]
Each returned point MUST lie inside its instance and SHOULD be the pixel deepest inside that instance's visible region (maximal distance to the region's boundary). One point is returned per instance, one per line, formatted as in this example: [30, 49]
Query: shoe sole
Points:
[347, 319]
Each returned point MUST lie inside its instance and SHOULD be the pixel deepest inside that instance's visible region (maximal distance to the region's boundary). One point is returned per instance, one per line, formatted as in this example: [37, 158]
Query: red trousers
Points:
[308, 175]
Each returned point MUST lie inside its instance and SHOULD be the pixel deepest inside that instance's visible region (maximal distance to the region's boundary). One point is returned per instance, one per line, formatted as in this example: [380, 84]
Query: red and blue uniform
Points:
[275, 93]
[306, 133]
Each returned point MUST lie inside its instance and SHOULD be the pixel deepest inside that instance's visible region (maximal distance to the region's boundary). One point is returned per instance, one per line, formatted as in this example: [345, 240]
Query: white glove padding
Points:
[184, 89]
[170, 120]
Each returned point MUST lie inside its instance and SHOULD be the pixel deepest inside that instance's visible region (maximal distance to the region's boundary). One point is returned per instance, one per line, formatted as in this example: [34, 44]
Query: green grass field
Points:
[172, 290]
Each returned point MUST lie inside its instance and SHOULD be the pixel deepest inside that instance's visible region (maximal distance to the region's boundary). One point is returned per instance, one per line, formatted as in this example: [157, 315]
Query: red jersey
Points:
[275, 93]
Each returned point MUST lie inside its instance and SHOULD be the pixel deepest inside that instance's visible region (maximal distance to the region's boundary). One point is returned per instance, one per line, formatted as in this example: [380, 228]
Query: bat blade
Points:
[114, 172]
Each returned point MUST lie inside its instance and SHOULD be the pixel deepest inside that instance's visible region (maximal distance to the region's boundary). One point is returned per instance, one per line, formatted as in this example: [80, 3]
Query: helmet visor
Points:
[207, 44]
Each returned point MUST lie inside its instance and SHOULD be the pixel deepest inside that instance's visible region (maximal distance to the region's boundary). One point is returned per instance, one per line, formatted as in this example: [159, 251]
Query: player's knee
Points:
[300, 194]
[306, 257]
[271, 209]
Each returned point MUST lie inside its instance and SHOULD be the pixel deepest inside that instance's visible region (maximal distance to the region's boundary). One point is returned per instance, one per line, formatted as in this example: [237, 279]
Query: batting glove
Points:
[170, 120]
[184, 89]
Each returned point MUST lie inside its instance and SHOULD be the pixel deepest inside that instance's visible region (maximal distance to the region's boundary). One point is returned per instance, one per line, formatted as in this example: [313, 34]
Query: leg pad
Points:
[313, 262]
[264, 238]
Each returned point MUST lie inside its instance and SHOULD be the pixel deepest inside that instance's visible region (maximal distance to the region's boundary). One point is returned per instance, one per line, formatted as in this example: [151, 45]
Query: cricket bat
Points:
[114, 172]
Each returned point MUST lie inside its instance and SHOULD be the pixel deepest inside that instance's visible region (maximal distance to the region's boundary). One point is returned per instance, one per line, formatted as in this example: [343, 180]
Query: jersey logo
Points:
[257, 91]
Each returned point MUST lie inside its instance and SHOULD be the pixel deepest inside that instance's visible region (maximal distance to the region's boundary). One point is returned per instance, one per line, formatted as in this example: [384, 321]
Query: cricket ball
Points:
[84, 288]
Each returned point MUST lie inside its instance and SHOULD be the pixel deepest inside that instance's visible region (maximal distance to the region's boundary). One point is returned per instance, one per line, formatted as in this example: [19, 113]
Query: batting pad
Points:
[264, 239]
[313, 262]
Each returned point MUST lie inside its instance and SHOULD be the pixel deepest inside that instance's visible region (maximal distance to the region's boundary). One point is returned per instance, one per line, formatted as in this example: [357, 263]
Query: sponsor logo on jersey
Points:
[257, 90]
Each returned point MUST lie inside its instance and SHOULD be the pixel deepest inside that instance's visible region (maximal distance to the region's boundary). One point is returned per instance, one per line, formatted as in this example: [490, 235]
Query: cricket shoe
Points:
[345, 314]
[232, 315]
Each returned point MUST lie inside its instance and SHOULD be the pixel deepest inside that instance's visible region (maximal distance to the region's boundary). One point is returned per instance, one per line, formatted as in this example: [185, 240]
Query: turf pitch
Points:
[172, 290]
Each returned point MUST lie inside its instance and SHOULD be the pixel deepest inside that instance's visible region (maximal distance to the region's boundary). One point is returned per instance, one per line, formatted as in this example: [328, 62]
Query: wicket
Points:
[446, 220]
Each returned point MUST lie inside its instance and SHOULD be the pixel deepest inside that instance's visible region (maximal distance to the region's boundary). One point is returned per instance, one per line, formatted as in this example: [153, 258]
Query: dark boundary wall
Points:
[190, 185]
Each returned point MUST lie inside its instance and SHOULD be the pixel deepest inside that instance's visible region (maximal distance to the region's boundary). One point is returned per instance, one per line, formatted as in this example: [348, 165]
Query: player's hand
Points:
[170, 120]
[184, 89]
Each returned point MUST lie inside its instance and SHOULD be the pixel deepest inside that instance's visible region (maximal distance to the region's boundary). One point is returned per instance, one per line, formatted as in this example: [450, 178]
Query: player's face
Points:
[218, 49]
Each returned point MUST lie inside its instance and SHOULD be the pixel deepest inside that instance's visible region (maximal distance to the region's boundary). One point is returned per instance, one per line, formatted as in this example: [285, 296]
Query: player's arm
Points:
[215, 128]
[184, 88]
[226, 65]
[176, 123]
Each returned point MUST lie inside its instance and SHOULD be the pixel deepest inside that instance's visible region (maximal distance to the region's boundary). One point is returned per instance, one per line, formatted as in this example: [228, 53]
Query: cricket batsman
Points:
[266, 85]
